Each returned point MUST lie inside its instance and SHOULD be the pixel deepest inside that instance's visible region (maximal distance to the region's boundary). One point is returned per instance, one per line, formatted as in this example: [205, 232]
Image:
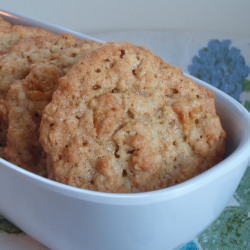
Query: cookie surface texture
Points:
[57, 50]
[25, 102]
[122, 120]
[12, 34]
[27, 98]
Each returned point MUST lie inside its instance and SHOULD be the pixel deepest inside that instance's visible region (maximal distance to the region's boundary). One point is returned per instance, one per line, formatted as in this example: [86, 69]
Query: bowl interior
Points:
[234, 117]
[234, 120]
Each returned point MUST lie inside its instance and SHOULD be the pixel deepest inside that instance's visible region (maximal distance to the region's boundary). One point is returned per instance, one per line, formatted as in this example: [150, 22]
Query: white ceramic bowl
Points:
[64, 217]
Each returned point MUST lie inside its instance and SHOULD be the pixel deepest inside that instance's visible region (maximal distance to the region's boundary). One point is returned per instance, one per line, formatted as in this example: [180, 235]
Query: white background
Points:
[222, 16]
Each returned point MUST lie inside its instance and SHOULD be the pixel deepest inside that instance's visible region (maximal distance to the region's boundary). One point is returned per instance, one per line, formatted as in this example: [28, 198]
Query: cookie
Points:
[123, 120]
[12, 34]
[61, 51]
[16, 63]
[26, 100]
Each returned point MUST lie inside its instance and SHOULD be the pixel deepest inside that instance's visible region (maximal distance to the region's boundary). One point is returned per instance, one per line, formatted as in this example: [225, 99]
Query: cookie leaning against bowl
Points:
[15, 65]
[122, 120]
[61, 51]
[26, 100]
[12, 34]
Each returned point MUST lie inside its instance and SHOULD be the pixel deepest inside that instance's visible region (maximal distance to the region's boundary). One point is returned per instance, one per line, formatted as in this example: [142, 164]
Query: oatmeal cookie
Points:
[122, 120]
[61, 51]
[15, 65]
[26, 100]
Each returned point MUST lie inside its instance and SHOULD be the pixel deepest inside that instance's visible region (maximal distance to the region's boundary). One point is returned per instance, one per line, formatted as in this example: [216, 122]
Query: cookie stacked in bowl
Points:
[110, 117]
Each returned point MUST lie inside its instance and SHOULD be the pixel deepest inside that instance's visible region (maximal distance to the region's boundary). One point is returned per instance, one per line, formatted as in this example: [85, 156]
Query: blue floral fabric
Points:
[221, 65]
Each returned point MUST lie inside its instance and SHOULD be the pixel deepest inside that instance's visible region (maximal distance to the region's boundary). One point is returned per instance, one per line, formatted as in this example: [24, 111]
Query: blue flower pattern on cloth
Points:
[221, 65]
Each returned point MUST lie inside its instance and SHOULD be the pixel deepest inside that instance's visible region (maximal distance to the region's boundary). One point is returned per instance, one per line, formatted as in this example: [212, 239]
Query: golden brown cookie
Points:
[26, 100]
[122, 120]
[61, 51]
[16, 63]
[12, 34]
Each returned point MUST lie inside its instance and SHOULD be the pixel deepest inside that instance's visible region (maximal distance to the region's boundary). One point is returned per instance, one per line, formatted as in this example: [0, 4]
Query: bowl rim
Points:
[239, 155]
[18, 19]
